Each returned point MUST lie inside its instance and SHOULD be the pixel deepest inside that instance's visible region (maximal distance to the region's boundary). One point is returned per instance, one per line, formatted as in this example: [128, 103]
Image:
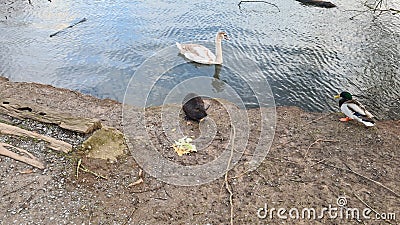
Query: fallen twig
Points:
[375, 9]
[283, 160]
[28, 171]
[129, 216]
[24, 205]
[360, 175]
[370, 207]
[320, 161]
[240, 3]
[149, 190]
[70, 26]
[32, 160]
[77, 168]
[359, 13]
[84, 169]
[53, 143]
[138, 181]
[227, 186]
[19, 188]
[378, 8]
[315, 142]
[365, 203]
[312, 121]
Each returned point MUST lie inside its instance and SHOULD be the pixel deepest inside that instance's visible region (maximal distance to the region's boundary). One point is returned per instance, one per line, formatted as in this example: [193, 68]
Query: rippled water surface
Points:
[307, 54]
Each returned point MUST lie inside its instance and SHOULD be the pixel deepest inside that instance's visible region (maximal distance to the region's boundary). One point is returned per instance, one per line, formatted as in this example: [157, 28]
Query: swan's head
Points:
[222, 36]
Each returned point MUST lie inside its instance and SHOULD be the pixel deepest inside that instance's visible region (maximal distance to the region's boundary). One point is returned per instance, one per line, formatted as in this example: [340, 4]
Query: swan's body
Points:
[354, 110]
[200, 54]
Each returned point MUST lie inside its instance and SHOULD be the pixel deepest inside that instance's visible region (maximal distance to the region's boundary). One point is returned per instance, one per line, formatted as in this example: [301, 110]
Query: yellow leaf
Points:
[183, 146]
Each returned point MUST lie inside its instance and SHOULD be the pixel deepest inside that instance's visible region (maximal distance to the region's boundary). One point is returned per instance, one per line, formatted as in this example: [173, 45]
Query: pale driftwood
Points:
[53, 143]
[46, 115]
[32, 160]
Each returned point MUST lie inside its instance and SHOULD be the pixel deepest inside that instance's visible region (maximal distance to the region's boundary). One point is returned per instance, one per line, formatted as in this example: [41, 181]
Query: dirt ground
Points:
[314, 160]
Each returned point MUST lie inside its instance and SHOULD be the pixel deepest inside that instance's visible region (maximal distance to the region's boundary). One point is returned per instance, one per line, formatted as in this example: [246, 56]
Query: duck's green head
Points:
[346, 95]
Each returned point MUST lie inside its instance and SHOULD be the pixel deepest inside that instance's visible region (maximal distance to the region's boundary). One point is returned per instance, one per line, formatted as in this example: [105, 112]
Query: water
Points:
[307, 54]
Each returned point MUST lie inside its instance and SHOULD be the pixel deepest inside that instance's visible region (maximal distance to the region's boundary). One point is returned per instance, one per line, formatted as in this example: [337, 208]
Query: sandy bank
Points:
[314, 159]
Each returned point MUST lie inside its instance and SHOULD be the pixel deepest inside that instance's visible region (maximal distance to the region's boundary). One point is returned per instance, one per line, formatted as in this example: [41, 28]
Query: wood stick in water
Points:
[240, 3]
[70, 26]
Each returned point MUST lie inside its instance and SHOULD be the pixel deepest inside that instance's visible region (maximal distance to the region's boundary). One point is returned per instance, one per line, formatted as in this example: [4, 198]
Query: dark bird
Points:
[193, 106]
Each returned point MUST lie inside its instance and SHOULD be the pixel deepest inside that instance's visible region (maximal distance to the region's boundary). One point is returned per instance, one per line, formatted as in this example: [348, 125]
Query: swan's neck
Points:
[218, 51]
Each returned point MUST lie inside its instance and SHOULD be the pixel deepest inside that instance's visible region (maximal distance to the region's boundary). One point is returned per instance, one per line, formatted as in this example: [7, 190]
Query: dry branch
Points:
[77, 168]
[53, 143]
[369, 207]
[365, 203]
[315, 142]
[31, 160]
[360, 175]
[84, 169]
[70, 26]
[240, 3]
[376, 8]
[227, 186]
[139, 180]
[315, 120]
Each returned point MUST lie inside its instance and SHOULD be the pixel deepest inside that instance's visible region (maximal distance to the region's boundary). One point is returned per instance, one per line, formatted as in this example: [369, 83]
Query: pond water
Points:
[307, 54]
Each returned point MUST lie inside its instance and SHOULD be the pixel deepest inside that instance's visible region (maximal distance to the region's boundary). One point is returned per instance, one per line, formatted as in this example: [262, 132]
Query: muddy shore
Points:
[314, 160]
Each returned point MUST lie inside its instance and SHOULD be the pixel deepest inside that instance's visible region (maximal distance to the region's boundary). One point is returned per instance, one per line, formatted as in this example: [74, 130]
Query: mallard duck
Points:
[201, 54]
[354, 109]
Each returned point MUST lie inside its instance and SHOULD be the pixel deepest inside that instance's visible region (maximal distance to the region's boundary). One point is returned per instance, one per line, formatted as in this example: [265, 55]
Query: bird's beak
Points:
[201, 120]
[226, 37]
[336, 96]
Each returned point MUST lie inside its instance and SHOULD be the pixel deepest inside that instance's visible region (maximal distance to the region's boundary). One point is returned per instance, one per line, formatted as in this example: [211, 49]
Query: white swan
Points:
[201, 54]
